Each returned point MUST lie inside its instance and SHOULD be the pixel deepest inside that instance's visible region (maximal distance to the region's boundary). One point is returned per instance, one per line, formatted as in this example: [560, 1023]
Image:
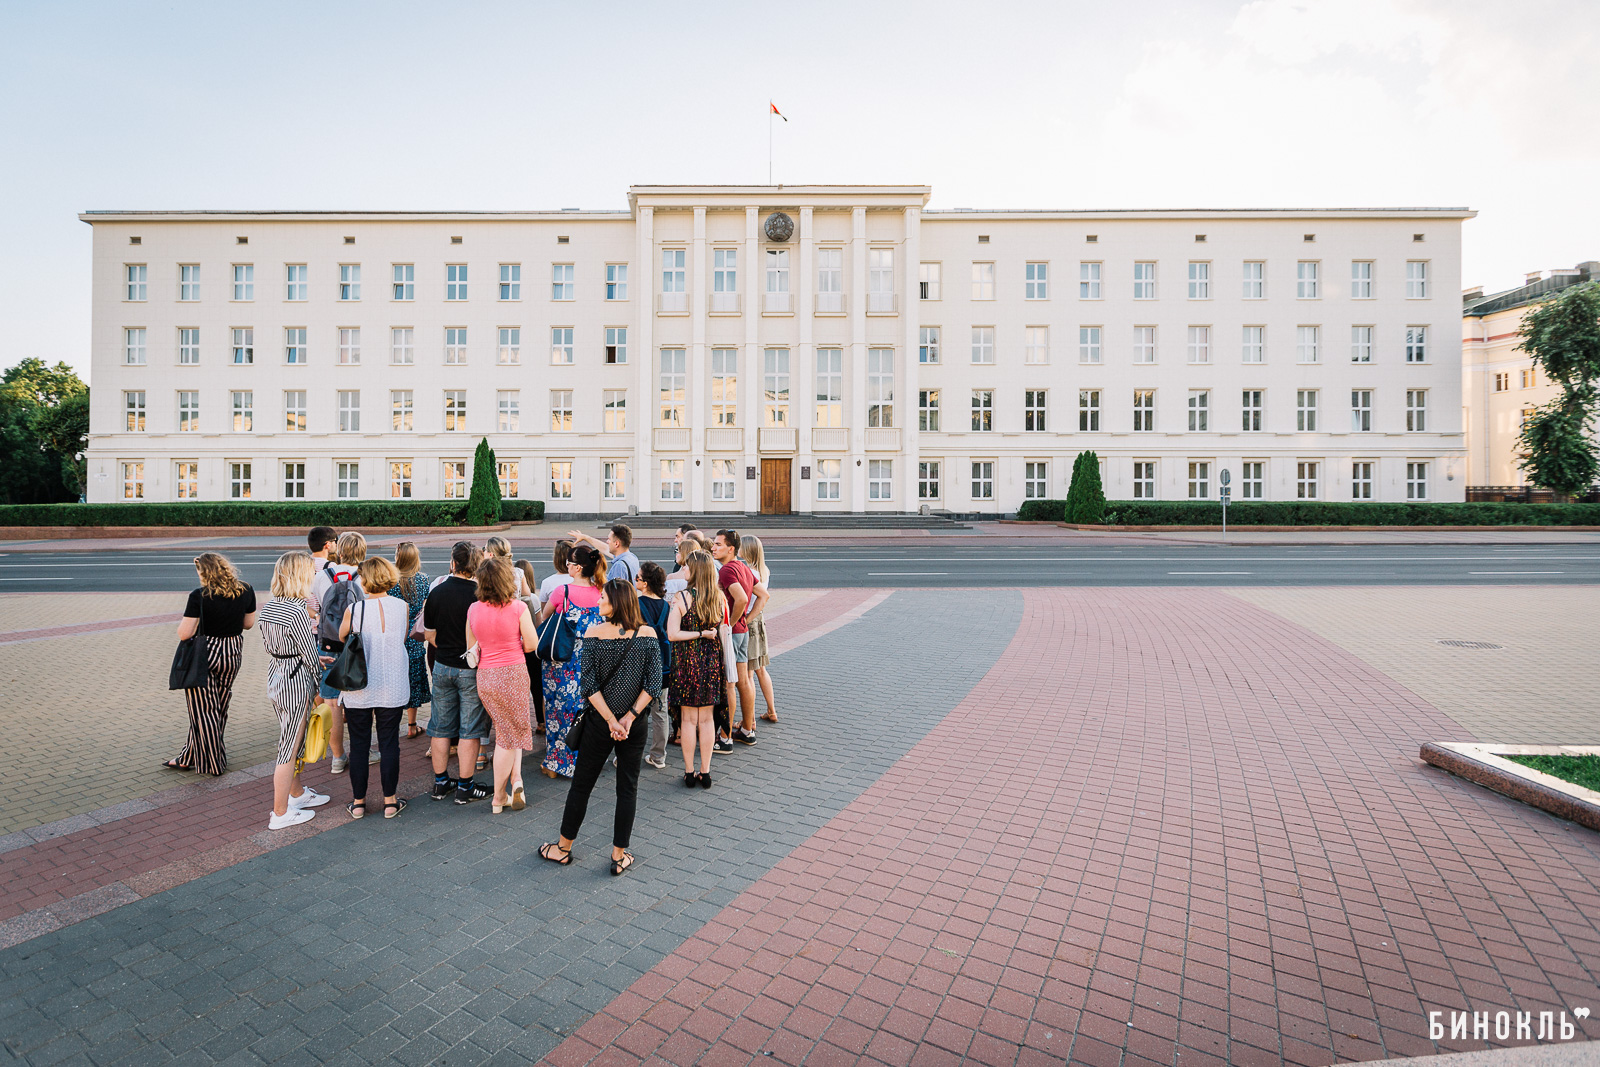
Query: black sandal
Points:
[690, 779]
[625, 863]
[391, 810]
[413, 731]
[566, 853]
[174, 765]
[357, 809]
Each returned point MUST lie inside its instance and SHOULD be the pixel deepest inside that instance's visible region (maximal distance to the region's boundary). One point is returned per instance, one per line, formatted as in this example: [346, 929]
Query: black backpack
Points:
[341, 594]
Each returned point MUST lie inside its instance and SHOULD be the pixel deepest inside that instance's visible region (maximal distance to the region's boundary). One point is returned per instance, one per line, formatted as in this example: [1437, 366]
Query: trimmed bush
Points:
[1323, 513]
[483, 503]
[1086, 499]
[309, 513]
[1043, 511]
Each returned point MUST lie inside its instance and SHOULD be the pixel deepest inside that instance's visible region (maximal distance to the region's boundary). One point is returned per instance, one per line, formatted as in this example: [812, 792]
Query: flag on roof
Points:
[775, 110]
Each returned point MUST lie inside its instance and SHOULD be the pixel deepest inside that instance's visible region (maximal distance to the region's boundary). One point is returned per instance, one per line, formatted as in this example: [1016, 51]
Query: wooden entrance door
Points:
[775, 486]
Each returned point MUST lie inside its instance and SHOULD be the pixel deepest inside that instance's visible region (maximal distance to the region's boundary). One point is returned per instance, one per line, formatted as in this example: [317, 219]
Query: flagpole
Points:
[769, 144]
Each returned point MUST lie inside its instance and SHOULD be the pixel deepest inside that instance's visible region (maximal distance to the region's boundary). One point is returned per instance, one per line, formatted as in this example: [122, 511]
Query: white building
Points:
[809, 348]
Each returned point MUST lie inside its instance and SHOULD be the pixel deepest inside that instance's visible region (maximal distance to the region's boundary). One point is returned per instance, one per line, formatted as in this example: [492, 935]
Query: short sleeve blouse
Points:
[221, 616]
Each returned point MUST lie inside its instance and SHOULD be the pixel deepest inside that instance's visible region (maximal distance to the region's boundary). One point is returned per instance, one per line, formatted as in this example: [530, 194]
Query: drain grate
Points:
[1482, 645]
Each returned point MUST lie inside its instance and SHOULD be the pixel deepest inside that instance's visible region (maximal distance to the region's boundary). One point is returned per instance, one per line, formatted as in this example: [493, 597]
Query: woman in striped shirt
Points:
[290, 639]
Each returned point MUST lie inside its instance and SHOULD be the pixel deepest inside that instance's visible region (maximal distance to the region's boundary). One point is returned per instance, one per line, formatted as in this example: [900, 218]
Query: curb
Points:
[1484, 765]
[42, 533]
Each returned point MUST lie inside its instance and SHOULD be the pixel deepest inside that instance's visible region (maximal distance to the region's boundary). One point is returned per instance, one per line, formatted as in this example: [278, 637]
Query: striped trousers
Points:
[208, 707]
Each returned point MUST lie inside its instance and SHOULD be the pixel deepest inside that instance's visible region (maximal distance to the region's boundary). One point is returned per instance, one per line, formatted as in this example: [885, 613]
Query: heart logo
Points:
[1580, 1013]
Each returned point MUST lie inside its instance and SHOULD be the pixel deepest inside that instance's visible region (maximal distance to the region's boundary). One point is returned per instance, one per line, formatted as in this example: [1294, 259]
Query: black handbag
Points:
[349, 670]
[574, 735]
[191, 668]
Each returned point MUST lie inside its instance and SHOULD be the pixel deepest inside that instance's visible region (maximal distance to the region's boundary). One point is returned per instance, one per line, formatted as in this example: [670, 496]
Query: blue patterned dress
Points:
[416, 651]
[563, 696]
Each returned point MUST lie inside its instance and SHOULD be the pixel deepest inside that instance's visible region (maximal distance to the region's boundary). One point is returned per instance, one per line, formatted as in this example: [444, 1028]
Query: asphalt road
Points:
[940, 565]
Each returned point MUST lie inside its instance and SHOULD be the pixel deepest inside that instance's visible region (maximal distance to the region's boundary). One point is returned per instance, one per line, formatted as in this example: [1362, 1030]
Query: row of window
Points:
[1308, 344]
[402, 345]
[1530, 378]
[1308, 280]
[402, 286]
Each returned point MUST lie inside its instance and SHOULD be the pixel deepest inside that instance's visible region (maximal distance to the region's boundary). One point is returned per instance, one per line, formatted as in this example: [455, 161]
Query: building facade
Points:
[807, 349]
[1501, 386]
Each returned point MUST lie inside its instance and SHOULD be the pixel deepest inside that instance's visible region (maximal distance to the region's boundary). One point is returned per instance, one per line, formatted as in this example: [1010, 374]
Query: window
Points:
[615, 403]
[614, 479]
[561, 479]
[828, 476]
[880, 280]
[880, 479]
[1089, 410]
[1252, 479]
[928, 281]
[1036, 349]
[1530, 375]
[455, 284]
[562, 286]
[188, 281]
[511, 281]
[508, 403]
[349, 346]
[928, 410]
[928, 344]
[775, 409]
[983, 479]
[509, 352]
[455, 410]
[1306, 342]
[777, 279]
[1144, 281]
[188, 480]
[401, 345]
[1088, 281]
[1199, 344]
[1305, 410]
[1250, 407]
[928, 480]
[982, 410]
[983, 344]
[349, 410]
[1361, 410]
[1417, 344]
[674, 378]
[1036, 281]
[1144, 480]
[1416, 279]
[616, 344]
[1254, 347]
[1502, 382]
[1144, 410]
[672, 279]
[239, 481]
[455, 479]
[1199, 481]
[400, 479]
[1416, 481]
[138, 277]
[1035, 480]
[1255, 281]
[349, 281]
[672, 479]
[509, 473]
[983, 281]
[1199, 281]
[1199, 410]
[1305, 280]
[880, 387]
[244, 281]
[1144, 344]
[347, 477]
[133, 481]
[405, 288]
[188, 345]
[560, 410]
[1361, 344]
[1361, 279]
[244, 410]
[724, 387]
[830, 279]
[616, 281]
[244, 345]
[1305, 480]
[189, 411]
[455, 345]
[402, 409]
[1416, 410]
[561, 347]
[1361, 480]
[724, 278]
[295, 286]
[133, 402]
[1033, 410]
[1088, 344]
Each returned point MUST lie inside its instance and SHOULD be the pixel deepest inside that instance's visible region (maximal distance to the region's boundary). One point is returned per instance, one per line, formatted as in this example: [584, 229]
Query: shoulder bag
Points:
[574, 734]
[556, 636]
[190, 667]
[349, 671]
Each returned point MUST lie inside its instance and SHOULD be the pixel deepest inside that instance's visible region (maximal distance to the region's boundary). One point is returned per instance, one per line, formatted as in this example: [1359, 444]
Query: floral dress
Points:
[563, 693]
[416, 649]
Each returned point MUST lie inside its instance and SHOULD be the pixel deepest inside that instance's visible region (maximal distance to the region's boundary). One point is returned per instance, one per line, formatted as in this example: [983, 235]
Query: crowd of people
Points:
[611, 659]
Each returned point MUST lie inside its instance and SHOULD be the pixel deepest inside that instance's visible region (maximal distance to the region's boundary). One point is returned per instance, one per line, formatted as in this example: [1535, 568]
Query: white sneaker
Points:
[292, 817]
[310, 798]
[658, 762]
[373, 756]
[338, 765]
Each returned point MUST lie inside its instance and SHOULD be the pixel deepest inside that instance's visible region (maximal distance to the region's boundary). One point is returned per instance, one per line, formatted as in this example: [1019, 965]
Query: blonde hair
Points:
[709, 603]
[497, 546]
[352, 548]
[751, 552]
[497, 583]
[217, 576]
[377, 575]
[409, 562]
[292, 575]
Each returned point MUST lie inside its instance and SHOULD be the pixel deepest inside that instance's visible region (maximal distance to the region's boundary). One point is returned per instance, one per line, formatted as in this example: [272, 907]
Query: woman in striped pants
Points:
[221, 609]
[291, 641]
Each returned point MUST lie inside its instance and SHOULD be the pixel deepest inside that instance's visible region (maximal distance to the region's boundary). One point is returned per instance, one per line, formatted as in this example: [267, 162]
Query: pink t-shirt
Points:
[580, 594]
[498, 631]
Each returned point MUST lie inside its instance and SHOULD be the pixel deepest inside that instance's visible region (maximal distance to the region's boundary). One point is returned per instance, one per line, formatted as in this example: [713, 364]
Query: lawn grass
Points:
[1579, 770]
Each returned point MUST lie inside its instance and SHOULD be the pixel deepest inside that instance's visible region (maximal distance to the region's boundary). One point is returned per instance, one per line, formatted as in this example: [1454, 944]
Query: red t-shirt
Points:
[734, 571]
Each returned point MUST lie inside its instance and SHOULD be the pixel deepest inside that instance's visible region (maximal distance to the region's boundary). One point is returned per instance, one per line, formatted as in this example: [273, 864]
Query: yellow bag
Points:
[315, 747]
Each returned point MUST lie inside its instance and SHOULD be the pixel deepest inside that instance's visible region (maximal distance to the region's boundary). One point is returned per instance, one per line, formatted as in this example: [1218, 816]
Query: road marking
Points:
[63, 578]
[902, 574]
[1208, 572]
[1509, 573]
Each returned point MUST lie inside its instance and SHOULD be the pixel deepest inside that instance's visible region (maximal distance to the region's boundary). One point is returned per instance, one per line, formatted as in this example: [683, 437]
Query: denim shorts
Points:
[329, 693]
[457, 712]
[741, 648]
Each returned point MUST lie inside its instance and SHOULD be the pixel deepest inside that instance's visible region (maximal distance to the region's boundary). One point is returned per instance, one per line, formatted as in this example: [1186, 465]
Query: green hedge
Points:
[341, 513]
[1323, 513]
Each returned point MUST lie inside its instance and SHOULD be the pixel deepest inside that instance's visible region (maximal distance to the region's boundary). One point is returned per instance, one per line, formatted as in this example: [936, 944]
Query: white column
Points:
[750, 366]
[905, 401]
[802, 385]
[643, 289]
[698, 406]
[856, 406]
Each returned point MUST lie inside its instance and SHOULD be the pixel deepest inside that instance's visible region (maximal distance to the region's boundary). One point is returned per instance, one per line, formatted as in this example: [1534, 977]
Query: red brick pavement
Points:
[14, 637]
[1168, 828]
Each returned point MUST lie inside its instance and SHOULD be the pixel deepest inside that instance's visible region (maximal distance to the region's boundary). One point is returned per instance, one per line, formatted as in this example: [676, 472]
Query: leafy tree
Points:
[44, 425]
[483, 505]
[1563, 337]
[1086, 498]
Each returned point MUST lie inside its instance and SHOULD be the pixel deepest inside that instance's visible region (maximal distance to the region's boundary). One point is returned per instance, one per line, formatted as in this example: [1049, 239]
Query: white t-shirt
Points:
[327, 574]
[551, 584]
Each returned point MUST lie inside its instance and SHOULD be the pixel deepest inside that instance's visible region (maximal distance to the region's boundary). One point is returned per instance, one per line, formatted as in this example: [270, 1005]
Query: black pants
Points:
[536, 683]
[360, 723]
[593, 749]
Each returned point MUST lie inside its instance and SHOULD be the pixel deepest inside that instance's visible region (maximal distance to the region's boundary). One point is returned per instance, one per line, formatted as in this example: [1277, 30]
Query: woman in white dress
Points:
[381, 621]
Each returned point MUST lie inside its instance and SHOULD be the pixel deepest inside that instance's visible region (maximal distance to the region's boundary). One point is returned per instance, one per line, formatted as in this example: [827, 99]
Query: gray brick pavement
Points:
[442, 938]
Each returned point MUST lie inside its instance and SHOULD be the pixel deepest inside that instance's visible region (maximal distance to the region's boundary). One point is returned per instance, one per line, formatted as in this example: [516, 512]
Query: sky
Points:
[400, 105]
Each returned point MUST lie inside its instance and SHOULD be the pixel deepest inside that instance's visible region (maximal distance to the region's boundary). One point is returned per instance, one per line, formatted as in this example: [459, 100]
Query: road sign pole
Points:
[1226, 493]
